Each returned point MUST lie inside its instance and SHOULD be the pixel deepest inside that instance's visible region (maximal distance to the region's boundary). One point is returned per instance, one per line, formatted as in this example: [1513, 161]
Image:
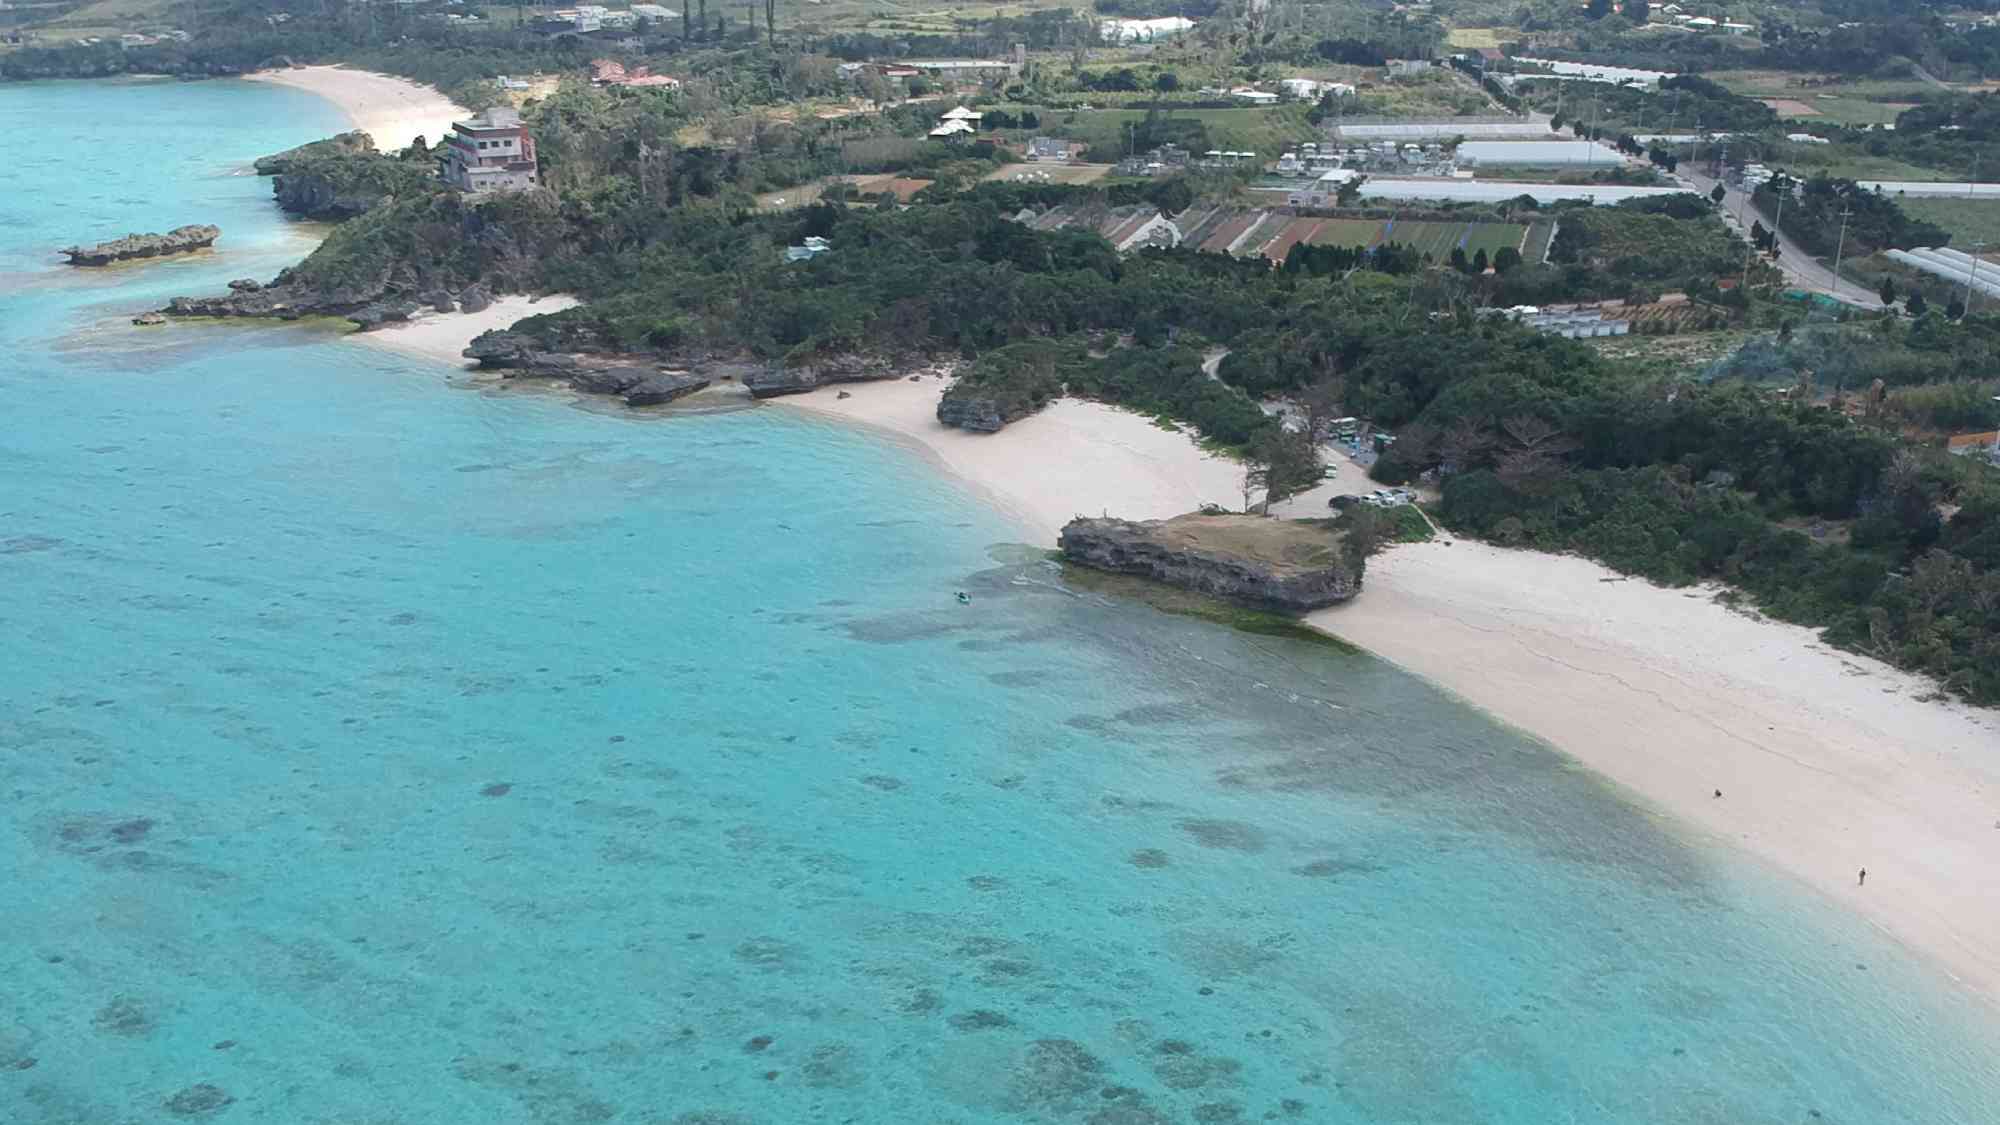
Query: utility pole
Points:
[1784, 188]
[1840, 248]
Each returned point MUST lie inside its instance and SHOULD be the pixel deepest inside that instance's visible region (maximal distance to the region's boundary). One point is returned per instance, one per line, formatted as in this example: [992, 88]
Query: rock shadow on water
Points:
[1224, 835]
[204, 1099]
[1053, 1075]
[769, 954]
[1179, 1066]
[546, 1095]
[125, 1017]
[831, 1066]
[1336, 869]
[980, 1019]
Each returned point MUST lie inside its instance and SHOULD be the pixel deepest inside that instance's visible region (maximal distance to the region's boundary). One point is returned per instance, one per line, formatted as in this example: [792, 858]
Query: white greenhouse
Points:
[1539, 154]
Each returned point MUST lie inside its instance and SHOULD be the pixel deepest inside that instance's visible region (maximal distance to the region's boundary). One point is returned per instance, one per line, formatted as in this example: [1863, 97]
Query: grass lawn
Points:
[1970, 221]
[1050, 172]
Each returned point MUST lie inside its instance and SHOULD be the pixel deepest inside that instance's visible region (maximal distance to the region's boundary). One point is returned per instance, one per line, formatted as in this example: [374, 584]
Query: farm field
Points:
[1266, 132]
[1970, 221]
[1835, 100]
[866, 187]
[1791, 84]
[1850, 161]
[1476, 37]
[1426, 237]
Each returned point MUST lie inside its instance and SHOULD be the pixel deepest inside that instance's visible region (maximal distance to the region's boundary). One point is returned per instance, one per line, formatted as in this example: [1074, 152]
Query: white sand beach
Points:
[394, 111]
[1073, 458]
[1828, 762]
[442, 336]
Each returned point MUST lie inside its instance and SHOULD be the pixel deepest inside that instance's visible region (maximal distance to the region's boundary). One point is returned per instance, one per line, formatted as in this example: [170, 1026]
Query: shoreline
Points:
[442, 336]
[1828, 761]
[394, 111]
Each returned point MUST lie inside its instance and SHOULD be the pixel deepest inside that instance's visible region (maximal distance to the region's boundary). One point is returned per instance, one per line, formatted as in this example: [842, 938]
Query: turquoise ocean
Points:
[380, 747]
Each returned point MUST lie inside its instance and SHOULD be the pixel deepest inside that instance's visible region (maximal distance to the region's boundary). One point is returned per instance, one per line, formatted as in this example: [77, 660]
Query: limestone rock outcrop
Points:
[1264, 563]
[180, 240]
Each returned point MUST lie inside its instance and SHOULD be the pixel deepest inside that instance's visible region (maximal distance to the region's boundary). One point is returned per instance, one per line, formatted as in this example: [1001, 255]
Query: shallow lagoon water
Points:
[378, 746]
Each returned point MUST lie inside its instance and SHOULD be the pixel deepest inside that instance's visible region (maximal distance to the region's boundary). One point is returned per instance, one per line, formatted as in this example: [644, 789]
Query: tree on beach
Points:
[1289, 461]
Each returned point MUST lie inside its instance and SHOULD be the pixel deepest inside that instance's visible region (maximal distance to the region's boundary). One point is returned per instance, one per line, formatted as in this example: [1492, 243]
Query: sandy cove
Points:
[394, 111]
[443, 336]
[1828, 762]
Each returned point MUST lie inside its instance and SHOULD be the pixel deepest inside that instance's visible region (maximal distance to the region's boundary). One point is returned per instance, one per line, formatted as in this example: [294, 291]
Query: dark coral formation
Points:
[180, 240]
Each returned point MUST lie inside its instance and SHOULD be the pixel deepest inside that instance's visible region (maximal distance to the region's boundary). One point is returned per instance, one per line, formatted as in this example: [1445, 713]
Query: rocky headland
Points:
[649, 380]
[1270, 564]
[180, 240]
[343, 177]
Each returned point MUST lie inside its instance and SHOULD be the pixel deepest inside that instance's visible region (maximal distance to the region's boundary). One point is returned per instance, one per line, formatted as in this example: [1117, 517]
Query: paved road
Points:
[1799, 267]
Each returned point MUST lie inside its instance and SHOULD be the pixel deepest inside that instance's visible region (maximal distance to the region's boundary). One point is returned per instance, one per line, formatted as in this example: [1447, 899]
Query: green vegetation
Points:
[1669, 242]
[1968, 221]
[1817, 211]
[1115, 133]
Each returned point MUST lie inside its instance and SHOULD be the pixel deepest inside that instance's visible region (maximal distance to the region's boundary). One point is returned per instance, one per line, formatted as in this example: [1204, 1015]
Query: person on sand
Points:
[1863, 880]
[1718, 794]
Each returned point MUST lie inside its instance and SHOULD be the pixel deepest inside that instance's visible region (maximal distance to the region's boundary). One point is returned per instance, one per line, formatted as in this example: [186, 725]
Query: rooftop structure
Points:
[1499, 191]
[1954, 266]
[1312, 88]
[1976, 445]
[1323, 191]
[605, 72]
[1125, 228]
[1447, 129]
[1597, 72]
[1923, 188]
[814, 246]
[492, 151]
[1540, 154]
[1143, 31]
[962, 70]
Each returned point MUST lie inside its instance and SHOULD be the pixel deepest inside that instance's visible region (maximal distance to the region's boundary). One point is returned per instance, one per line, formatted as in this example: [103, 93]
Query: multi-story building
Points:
[490, 152]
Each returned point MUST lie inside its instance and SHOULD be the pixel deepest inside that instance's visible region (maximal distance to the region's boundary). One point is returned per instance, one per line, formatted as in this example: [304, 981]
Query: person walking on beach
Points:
[1863, 880]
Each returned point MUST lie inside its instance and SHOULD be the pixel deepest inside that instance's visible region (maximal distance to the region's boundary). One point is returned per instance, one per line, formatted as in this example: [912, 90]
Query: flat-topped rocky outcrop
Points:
[1256, 561]
[180, 240]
